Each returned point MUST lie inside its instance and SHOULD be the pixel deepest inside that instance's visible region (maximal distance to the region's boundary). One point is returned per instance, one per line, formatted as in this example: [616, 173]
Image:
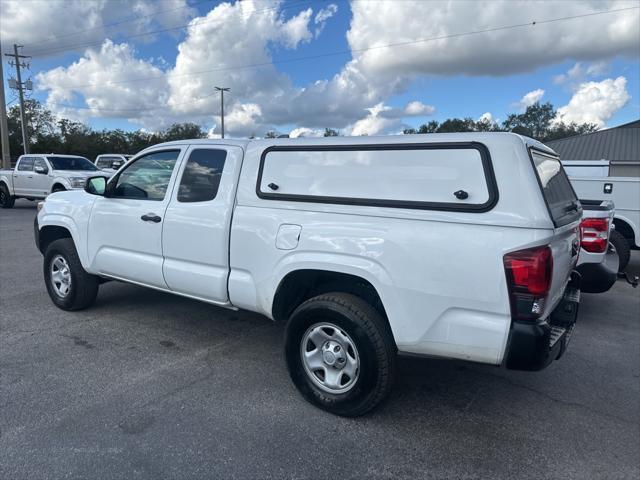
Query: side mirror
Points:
[41, 170]
[96, 185]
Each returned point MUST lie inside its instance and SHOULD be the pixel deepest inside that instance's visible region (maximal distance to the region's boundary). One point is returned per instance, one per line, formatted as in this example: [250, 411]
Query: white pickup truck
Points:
[36, 176]
[590, 179]
[458, 246]
[598, 262]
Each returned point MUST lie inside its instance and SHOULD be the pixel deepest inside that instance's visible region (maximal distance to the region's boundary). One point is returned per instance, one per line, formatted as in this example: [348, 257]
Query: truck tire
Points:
[340, 354]
[58, 188]
[68, 284]
[622, 248]
[6, 199]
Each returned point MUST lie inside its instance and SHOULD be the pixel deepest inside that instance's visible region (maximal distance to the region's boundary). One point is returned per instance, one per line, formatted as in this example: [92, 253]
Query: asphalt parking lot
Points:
[148, 385]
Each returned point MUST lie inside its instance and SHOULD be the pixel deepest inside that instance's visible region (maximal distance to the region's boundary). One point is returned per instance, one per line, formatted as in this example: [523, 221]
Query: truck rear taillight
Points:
[594, 234]
[529, 274]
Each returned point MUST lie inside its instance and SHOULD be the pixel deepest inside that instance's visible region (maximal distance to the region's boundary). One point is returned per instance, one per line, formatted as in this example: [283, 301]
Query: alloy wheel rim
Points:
[60, 275]
[330, 358]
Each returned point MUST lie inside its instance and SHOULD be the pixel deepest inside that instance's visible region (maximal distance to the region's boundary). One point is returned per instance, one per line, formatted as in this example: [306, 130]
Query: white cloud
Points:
[580, 72]
[93, 75]
[595, 102]
[306, 132]
[296, 30]
[529, 99]
[382, 119]
[322, 16]
[417, 108]
[42, 26]
[263, 98]
[486, 117]
[501, 52]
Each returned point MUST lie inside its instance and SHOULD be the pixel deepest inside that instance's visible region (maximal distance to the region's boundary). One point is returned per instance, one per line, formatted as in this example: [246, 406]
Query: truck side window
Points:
[201, 176]
[148, 177]
[39, 162]
[103, 163]
[26, 164]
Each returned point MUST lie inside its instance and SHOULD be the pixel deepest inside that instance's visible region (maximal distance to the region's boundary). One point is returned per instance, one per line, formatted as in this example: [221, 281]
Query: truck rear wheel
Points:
[340, 354]
[6, 199]
[69, 285]
[621, 247]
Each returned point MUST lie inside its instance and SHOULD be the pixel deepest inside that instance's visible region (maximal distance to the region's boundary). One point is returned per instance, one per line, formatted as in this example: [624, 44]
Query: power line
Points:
[120, 22]
[64, 48]
[358, 50]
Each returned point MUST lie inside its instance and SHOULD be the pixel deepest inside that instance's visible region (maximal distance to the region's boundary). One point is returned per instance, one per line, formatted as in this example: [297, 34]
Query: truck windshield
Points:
[71, 163]
[557, 191]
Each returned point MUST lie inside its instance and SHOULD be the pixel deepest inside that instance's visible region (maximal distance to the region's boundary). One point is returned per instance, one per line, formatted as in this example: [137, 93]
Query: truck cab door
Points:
[23, 176]
[125, 227]
[41, 181]
[197, 223]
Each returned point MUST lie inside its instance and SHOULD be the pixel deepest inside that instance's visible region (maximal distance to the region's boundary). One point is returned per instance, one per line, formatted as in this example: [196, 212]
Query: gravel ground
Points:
[149, 385]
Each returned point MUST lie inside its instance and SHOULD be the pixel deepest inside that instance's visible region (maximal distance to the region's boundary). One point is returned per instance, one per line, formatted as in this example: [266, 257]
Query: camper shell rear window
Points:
[443, 176]
[561, 200]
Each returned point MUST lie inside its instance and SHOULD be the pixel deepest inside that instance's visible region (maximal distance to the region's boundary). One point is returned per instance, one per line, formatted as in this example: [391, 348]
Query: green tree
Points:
[430, 127]
[535, 122]
[330, 132]
[183, 131]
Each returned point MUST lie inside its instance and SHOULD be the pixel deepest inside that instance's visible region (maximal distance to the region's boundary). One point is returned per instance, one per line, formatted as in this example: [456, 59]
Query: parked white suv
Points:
[450, 245]
[36, 176]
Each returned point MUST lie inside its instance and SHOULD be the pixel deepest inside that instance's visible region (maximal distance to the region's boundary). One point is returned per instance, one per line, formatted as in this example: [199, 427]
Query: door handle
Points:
[151, 217]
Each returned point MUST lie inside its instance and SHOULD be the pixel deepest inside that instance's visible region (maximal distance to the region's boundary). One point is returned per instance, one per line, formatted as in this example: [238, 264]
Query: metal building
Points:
[619, 145]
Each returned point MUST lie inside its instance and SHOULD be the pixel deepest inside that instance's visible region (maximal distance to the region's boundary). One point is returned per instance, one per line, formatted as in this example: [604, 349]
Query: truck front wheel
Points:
[69, 285]
[621, 247]
[340, 354]
[6, 199]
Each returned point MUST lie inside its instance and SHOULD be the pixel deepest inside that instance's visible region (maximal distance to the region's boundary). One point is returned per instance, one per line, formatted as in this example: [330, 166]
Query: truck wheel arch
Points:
[58, 187]
[51, 233]
[625, 228]
[300, 285]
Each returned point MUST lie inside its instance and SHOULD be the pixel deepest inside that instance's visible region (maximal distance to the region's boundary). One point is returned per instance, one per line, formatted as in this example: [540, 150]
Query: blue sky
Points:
[458, 77]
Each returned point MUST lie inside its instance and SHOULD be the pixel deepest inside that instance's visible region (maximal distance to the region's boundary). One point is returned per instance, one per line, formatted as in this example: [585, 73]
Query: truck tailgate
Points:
[565, 247]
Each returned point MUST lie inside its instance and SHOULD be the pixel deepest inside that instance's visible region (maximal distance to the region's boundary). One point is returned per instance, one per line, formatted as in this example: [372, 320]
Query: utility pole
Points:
[222, 90]
[20, 87]
[4, 130]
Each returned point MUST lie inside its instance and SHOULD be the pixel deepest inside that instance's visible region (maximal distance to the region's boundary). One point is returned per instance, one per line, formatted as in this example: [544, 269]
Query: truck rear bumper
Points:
[533, 346]
[597, 277]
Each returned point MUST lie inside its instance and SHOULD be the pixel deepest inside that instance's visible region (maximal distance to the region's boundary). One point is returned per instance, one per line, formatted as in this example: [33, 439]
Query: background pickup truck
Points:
[36, 176]
[590, 179]
[598, 262]
[450, 245]
[111, 161]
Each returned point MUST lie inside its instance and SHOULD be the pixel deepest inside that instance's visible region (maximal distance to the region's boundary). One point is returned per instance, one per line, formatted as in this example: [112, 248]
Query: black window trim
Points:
[113, 181]
[485, 157]
[531, 149]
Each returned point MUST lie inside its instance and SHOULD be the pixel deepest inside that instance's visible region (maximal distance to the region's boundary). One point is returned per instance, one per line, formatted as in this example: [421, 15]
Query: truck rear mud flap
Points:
[533, 346]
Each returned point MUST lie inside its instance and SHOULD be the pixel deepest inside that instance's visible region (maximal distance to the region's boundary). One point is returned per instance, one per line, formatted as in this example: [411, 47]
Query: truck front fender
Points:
[8, 181]
[69, 210]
